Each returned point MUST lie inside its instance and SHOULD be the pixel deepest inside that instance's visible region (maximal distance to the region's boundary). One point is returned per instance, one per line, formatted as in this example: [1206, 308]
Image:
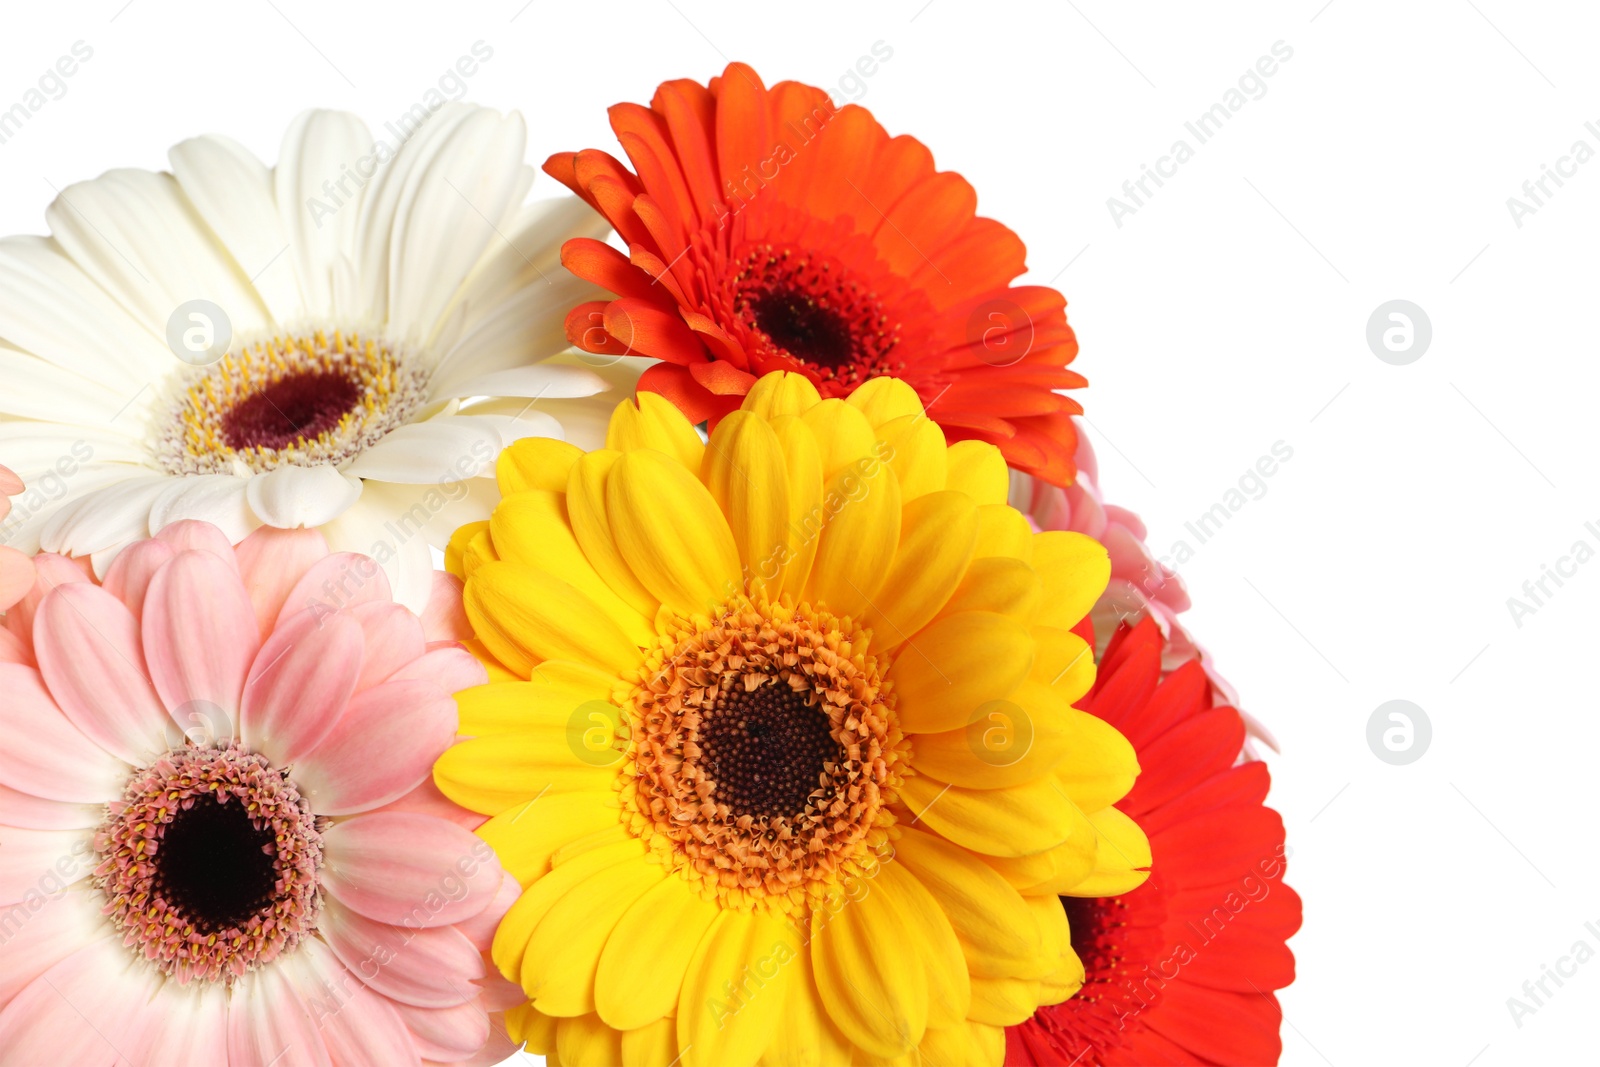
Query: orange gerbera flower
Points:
[768, 229]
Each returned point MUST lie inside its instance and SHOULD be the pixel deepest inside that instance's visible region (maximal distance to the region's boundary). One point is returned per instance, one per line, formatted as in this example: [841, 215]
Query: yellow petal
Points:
[937, 535]
[558, 971]
[641, 970]
[524, 616]
[1123, 859]
[1023, 872]
[1055, 942]
[1072, 860]
[510, 947]
[858, 540]
[844, 438]
[671, 533]
[526, 836]
[748, 478]
[997, 931]
[734, 989]
[1004, 743]
[553, 696]
[806, 513]
[1004, 1001]
[865, 976]
[654, 1045]
[882, 400]
[1017, 821]
[535, 463]
[781, 393]
[917, 453]
[586, 1042]
[804, 1035]
[1099, 765]
[502, 771]
[956, 665]
[586, 510]
[1064, 662]
[458, 546]
[654, 422]
[1002, 531]
[526, 1024]
[531, 529]
[978, 469]
[967, 1045]
[1075, 569]
[997, 583]
[933, 938]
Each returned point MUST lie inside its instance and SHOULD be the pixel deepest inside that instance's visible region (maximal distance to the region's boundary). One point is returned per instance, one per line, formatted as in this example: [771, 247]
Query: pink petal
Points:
[393, 637]
[128, 578]
[10, 485]
[16, 576]
[381, 748]
[336, 582]
[446, 618]
[452, 668]
[409, 870]
[50, 570]
[360, 1027]
[269, 1020]
[433, 968]
[426, 799]
[299, 685]
[47, 930]
[193, 1030]
[36, 813]
[42, 862]
[91, 1009]
[12, 650]
[200, 635]
[43, 753]
[87, 643]
[481, 927]
[192, 535]
[272, 561]
[448, 1035]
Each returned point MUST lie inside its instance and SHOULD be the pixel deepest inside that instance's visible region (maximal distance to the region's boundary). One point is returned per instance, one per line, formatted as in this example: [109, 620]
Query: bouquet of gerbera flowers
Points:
[783, 699]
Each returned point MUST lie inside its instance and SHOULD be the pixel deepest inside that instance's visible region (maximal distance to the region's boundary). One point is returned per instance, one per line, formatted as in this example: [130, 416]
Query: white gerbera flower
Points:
[346, 340]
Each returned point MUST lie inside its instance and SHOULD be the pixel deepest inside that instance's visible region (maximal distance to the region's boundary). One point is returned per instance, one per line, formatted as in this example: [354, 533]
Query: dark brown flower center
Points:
[292, 410]
[811, 308]
[769, 750]
[215, 866]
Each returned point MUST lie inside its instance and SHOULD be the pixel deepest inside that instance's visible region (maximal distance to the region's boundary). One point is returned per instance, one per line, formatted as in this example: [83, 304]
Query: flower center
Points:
[765, 752]
[809, 307]
[293, 400]
[768, 749]
[209, 863]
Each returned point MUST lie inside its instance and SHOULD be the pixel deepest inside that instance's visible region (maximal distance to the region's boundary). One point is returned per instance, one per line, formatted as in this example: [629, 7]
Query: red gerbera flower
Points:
[1181, 970]
[769, 230]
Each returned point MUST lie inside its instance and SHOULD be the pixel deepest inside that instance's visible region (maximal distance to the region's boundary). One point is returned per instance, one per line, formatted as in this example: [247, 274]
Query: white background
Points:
[1228, 313]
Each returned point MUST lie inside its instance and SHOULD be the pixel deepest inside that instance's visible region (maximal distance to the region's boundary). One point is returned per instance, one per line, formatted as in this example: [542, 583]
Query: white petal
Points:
[317, 203]
[540, 380]
[532, 256]
[49, 307]
[289, 497]
[445, 508]
[32, 448]
[437, 450]
[106, 520]
[396, 539]
[135, 233]
[38, 389]
[219, 499]
[232, 190]
[50, 491]
[516, 419]
[523, 329]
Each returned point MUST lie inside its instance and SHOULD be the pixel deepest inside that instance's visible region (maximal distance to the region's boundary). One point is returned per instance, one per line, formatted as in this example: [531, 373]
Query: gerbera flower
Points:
[769, 230]
[1181, 969]
[779, 740]
[1142, 585]
[342, 312]
[220, 844]
[16, 569]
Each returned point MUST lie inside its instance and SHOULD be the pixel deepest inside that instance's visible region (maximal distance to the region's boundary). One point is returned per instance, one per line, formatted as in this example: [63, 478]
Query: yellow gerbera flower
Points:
[779, 741]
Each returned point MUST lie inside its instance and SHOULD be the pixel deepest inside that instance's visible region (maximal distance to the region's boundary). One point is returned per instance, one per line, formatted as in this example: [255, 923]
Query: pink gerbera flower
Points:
[219, 838]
